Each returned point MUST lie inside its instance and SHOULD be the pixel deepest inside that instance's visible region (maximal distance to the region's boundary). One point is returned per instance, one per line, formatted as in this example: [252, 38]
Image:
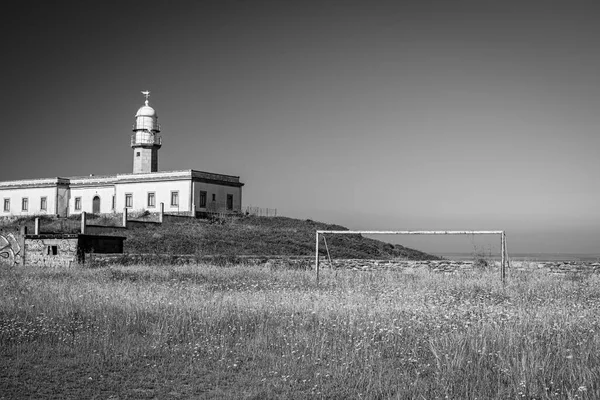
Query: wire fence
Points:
[260, 211]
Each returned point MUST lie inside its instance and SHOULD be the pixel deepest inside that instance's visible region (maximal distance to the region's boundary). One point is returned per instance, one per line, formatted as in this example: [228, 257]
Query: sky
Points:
[384, 115]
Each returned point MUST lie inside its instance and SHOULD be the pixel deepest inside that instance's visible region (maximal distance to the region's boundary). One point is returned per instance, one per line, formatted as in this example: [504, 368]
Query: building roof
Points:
[43, 182]
[105, 180]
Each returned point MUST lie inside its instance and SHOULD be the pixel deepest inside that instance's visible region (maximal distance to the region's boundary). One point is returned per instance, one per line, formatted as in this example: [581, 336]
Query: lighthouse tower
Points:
[144, 141]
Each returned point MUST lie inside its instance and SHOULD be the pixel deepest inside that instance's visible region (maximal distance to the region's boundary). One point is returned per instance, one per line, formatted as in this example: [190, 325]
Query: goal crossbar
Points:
[503, 252]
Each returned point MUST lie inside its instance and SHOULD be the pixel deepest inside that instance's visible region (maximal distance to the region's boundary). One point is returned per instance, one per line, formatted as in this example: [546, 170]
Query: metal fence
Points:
[260, 211]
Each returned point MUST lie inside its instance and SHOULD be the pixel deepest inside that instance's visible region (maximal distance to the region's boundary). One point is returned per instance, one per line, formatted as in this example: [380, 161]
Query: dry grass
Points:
[248, 332]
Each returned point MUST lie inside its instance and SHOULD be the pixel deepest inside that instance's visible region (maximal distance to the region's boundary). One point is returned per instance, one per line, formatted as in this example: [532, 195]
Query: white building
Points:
[185, 191]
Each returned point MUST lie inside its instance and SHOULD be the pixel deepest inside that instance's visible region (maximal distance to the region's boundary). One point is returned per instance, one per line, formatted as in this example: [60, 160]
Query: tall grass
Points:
[247, 332]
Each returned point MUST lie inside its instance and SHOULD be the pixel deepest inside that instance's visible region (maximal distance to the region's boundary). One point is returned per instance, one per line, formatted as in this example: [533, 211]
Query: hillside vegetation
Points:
[240, 235]
[260, 236]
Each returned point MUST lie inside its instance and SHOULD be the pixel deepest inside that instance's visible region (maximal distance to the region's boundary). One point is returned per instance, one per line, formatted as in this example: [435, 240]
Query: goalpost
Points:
[503, 252]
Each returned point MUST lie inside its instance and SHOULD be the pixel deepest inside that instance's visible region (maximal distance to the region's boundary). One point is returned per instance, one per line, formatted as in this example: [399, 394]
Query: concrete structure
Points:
[185, 191]
[59, 249]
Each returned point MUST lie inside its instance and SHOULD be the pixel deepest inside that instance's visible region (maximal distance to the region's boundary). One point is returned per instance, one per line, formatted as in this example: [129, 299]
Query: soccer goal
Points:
[502, 234]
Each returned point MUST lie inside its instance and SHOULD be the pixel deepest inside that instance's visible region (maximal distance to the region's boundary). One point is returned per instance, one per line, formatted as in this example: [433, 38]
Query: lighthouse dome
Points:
[146, 111]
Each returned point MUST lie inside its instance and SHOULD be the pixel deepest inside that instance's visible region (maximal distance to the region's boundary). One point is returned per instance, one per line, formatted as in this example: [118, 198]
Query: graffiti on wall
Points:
[10, 250]
[41, 245]
[51, 252]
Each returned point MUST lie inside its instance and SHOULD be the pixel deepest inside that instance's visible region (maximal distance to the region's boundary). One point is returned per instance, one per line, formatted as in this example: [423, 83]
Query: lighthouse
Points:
[145, 140]
[186, 192]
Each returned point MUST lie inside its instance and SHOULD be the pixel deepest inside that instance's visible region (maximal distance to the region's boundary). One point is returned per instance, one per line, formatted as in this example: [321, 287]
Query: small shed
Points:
[60, 249]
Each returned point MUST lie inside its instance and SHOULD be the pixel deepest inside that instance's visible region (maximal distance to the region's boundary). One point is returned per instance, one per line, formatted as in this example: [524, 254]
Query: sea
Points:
[527, 256]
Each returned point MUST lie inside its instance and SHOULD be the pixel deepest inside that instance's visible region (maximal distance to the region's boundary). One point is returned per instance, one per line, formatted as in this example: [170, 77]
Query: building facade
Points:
[184, 191]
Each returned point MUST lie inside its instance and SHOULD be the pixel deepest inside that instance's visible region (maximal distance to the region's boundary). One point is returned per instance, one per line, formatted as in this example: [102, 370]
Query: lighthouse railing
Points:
[147, 138]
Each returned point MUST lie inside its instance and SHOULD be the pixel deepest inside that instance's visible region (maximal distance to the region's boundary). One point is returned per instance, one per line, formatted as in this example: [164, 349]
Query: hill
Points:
[238, 235]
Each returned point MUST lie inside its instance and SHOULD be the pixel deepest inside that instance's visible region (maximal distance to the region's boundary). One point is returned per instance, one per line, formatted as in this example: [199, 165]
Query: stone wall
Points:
[307, 262]
[65, 250]
[300, 262]
[451, 266]
[382, 265]
[557, 267]
[51, 252]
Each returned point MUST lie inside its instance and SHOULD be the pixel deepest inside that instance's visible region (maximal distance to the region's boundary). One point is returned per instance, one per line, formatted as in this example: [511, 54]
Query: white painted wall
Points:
[87, 195]
[60, 199]
[220, 191]
[162, 191]
[34, 196]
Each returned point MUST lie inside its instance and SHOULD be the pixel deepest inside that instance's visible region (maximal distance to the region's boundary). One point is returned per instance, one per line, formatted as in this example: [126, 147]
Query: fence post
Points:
[22, 243]
[503, 257]
[125, 217]
[36, 228]
[161, 213]
[317, 256]
[83, 222]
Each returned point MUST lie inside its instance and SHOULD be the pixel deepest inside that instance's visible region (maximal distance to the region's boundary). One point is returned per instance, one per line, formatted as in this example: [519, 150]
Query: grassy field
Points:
[251, 332]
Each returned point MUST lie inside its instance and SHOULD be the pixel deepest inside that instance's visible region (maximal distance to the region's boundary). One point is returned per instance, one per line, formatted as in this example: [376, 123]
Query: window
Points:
[43, 204]
[128, 200]
[25, 204]
[230, 202]
[175, 198]
[6, 205]
[137, 154]
[202, 199]
[114, 200]
[77, 203]
[214, 197]
[151, 200]
[52, 250]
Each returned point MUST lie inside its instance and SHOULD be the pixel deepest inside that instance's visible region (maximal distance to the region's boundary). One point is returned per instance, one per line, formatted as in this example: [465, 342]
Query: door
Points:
[96, 205]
